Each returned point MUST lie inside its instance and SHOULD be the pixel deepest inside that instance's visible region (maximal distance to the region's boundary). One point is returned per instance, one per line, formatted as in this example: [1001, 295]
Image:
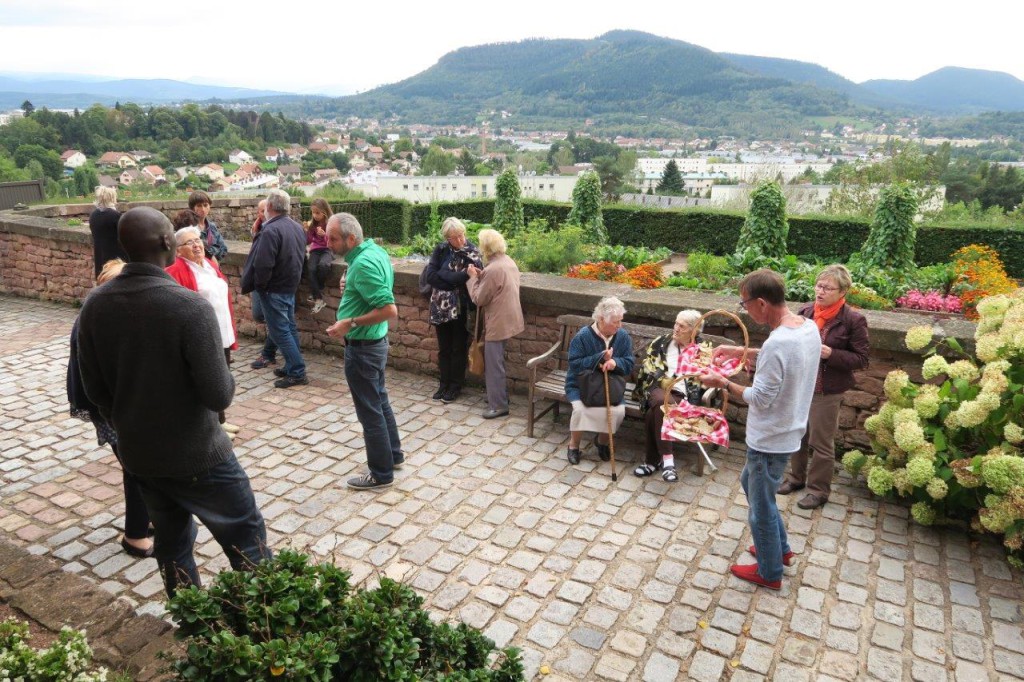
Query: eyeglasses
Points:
[190, 242]
[743, 303]
[822, 287]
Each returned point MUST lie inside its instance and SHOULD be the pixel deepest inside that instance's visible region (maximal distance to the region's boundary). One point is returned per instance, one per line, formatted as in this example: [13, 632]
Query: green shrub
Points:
[765, 228]
[713, 271]
[954, 448]
[890, 243]
[630, 256]
[508, 204]
[539, 250]
[866, 298]
[586, 208]
[684, 282]
[291, 620]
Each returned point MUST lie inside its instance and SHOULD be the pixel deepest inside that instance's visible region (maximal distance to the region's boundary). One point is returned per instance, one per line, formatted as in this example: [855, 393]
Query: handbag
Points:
[475, 365]
[591, 383]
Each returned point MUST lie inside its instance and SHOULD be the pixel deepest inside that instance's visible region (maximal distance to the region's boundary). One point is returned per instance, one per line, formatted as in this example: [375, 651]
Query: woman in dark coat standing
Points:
[844, 349]
[103, 226]
[447, 273]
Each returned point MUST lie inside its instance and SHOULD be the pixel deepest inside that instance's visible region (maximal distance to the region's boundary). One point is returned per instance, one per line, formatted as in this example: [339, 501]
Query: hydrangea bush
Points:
[69, 659]
[954, 448]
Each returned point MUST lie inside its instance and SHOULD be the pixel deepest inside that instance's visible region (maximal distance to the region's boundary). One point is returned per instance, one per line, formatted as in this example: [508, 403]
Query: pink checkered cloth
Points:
[719, 434]
[688, 365]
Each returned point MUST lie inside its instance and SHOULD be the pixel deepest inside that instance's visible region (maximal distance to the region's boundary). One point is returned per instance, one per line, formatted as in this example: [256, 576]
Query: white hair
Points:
[690, 318]
[608, 309]
[179, 235]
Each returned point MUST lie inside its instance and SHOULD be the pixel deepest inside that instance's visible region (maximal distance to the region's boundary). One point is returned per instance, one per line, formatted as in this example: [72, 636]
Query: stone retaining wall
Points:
[42, 257]
[120, 640]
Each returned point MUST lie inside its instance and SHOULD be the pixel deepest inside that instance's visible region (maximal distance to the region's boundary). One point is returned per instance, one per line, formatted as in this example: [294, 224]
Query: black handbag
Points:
[591, 383]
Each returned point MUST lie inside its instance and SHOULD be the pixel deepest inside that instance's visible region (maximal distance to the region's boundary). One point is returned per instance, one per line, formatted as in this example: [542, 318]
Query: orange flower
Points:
[979, 273]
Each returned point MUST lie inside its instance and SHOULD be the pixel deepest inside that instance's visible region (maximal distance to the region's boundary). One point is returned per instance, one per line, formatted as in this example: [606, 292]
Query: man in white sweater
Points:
[780, 400]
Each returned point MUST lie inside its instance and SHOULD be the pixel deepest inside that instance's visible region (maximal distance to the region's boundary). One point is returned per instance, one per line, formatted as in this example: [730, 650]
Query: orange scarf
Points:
[823, 314]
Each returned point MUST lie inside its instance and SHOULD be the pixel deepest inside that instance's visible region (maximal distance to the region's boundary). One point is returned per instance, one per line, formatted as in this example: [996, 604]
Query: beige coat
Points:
[496, 290]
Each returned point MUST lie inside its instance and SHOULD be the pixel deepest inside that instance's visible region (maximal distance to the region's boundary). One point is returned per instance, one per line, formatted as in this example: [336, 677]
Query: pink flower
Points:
[931, 300]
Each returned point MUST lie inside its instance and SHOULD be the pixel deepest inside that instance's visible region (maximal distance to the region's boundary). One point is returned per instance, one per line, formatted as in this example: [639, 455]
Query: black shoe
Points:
[262, 361]
[366, 482]
[280, 372]
[439, 393]
[451, 395]
[574, 455]
[136, 551]
[603, 451]
[288, 382]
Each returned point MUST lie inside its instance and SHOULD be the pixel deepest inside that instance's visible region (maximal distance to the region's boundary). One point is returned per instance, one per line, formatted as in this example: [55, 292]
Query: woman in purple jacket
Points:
[844, 350]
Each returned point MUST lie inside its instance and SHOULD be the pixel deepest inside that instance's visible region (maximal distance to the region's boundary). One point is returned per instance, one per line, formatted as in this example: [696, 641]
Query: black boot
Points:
[439, 393]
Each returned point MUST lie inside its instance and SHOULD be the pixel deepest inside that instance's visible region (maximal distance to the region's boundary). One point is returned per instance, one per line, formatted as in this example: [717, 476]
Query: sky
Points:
[338, 47]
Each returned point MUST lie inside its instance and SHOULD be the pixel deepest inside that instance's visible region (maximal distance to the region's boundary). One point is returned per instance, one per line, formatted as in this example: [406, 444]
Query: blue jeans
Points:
[222, 499]
[364, 371]
[760, 480]
[269, 347]
[279, 311]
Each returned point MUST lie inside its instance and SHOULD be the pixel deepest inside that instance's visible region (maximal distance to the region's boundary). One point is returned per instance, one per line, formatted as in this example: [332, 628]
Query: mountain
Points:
[82, 93]
[956, 90]
[622, 78]
[810, 74]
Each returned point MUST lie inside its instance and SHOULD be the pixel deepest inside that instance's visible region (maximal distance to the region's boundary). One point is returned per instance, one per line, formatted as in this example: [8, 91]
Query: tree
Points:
[437, 162]
[671, 179]
[766, 227]
[85, 180]
[467, 163]
[890, 243]
[48, 159]
[27, 107]
[508, 204]
[586, 208]
[9, 171]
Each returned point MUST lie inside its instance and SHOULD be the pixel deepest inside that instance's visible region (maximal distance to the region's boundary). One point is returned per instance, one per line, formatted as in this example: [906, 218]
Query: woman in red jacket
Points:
[844, 350]
[193, 270]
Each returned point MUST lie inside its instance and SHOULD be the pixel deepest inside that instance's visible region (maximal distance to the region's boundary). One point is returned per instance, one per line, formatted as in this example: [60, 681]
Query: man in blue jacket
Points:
[272, 273]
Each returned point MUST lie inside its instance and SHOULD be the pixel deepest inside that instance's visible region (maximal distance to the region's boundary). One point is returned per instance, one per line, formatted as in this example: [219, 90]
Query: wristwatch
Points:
[353, 321]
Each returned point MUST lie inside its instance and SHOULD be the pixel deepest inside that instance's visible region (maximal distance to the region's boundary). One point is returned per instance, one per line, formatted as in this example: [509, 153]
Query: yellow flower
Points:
[918, 337]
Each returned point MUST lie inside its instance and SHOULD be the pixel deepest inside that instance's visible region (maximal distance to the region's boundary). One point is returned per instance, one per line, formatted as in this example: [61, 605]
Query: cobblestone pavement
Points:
[593, 579]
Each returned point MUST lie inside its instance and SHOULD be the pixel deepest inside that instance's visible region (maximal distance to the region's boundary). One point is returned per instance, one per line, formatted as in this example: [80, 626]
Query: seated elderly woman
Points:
[193, 270]
[660, 367]
[602, 346]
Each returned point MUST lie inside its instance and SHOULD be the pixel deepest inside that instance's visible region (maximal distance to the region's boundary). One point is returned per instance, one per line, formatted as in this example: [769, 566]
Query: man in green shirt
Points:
[367, 304]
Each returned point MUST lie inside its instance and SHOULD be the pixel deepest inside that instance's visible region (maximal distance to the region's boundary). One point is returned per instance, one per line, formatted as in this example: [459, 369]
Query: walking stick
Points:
[611, 437]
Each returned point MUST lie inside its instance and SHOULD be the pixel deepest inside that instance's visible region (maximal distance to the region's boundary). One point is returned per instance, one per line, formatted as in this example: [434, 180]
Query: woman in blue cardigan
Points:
[602, 345]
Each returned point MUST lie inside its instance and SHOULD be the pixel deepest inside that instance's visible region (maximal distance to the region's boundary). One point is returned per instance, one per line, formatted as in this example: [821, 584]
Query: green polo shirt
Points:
[369, 284]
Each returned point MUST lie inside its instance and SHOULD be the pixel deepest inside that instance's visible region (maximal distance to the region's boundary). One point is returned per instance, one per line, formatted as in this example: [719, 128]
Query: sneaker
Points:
[574, 455]
[288, 382]
[397, 466]
[749, 573]
[230, 428]
[494, 414]
[787, 558]
[280, 372]
[451, 395]
[366, 482]
[439, 393]
[318, 305]
[262, 362]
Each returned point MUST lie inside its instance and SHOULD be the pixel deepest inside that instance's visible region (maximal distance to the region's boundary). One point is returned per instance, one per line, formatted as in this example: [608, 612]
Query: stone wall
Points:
[42, 257]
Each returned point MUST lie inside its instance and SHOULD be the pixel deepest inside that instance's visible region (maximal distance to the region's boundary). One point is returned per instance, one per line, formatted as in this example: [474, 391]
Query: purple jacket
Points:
[847, 336]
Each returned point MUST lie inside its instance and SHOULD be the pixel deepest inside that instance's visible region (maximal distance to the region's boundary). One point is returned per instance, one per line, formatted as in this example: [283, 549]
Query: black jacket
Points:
[151, 359]
[274, 264]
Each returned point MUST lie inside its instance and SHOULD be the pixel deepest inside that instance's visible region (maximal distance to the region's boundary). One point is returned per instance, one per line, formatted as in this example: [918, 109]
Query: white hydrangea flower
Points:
[918, 337]
[934, 366]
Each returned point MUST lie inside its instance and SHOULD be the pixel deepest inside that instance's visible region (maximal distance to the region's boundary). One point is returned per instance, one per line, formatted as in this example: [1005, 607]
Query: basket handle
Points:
[739, 323]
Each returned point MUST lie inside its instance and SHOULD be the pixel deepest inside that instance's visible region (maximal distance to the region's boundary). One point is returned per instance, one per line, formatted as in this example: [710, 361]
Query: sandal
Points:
[644, 470]
[669, 475]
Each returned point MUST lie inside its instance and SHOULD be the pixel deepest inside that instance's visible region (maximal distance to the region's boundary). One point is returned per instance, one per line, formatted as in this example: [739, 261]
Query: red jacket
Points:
[182, 274]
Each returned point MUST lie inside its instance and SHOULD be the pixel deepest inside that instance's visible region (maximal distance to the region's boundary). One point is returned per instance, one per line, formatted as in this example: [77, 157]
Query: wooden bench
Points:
[547, 371]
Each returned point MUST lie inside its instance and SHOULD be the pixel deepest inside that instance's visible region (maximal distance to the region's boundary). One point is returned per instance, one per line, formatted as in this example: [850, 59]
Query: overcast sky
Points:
[342, 47]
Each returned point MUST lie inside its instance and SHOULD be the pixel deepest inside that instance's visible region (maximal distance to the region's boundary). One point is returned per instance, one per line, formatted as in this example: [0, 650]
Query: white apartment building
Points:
[753, 173]
[807, 198]
[687, 165]
[424, 189]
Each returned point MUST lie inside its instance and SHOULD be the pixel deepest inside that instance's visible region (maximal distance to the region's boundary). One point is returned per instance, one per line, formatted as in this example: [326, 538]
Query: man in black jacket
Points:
[272, 273]
[152, 361]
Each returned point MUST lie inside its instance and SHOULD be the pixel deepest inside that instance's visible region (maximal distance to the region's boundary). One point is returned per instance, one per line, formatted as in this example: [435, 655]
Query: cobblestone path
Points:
[593, 579]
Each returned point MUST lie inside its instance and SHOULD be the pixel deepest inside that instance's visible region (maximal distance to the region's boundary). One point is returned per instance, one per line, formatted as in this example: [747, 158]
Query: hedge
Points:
[687, 230]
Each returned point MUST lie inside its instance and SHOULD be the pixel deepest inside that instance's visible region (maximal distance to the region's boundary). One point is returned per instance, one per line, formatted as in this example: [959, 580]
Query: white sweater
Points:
[780, 398]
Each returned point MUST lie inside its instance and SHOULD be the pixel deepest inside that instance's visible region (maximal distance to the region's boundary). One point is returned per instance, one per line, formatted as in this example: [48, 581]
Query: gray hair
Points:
[347, 225]
[180, 234]
[690, 318]
[838, 274]
[608, 309]
[106, 197]
[278, 201]
[452, 226]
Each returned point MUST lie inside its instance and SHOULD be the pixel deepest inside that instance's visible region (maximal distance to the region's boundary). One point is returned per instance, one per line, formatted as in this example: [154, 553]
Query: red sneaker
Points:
[787, 558]
[750, 574]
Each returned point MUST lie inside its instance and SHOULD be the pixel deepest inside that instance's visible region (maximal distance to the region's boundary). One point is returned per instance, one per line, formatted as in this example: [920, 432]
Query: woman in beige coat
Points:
[495, 290]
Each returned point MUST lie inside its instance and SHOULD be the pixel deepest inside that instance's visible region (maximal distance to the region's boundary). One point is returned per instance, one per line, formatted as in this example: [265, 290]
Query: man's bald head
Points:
[147, 236]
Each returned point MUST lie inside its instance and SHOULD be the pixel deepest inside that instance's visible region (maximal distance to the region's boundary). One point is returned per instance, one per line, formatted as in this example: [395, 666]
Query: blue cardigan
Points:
[586, 349]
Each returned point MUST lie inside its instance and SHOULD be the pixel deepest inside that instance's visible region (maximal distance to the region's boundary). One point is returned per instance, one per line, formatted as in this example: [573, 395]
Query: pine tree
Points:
[671, 179]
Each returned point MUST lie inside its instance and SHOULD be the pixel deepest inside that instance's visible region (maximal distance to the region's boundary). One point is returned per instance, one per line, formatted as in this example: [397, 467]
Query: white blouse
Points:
[215, 291]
